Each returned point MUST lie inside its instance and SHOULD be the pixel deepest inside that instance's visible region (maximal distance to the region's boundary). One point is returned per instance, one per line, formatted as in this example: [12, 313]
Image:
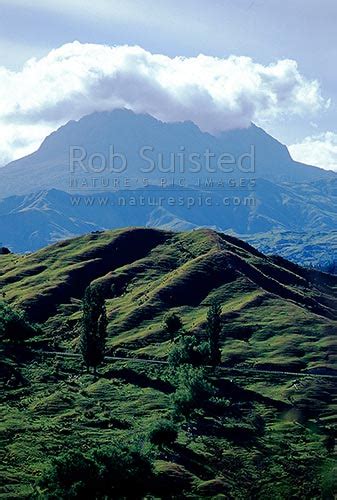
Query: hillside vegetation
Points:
[276, 313]
[262, 424]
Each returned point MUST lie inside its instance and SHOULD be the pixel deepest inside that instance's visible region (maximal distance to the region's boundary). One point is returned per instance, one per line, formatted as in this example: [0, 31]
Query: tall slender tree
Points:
[214, 326]
[94, 325]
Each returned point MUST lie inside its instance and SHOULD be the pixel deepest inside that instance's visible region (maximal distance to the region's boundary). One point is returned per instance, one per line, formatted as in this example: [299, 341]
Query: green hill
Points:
[263, 431]
[276, 314]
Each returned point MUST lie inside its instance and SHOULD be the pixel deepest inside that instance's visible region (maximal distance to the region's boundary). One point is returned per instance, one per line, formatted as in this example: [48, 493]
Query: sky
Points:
[220, 63]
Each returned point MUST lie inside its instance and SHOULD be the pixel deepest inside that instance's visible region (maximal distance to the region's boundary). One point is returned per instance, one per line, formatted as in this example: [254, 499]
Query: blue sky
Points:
[267, 31]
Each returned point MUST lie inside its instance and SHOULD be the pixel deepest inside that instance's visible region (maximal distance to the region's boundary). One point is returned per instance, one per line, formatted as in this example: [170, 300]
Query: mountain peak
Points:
[129, 132]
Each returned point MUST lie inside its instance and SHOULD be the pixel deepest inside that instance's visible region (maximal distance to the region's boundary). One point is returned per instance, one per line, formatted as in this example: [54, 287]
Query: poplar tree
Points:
[94, 326]
[214, 326]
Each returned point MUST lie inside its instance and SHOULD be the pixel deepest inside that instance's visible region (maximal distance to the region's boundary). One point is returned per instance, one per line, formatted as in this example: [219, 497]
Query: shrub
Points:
[126, 472]
[193, 391]
[114, 472]
[14, 327]
[329, 480]
[172, 324]
[163, 433]
[189, 350]
[71, 475]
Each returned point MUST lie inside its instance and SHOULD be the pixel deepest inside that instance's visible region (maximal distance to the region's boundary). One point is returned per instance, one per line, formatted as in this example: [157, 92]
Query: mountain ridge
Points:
[48, 167]
[33, 221]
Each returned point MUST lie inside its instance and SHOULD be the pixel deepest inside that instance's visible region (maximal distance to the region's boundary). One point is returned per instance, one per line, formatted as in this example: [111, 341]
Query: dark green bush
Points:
[114, 472]
[163, 433]
[172, 324]
[193, 390]
[125, 472]
[14, 327]
[189, 350]
[71, 475]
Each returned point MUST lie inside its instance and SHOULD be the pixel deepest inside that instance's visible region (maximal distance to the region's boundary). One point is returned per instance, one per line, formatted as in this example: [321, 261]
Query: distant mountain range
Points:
[284, 220]
[128, 133]
[307, 248]
[44, 201]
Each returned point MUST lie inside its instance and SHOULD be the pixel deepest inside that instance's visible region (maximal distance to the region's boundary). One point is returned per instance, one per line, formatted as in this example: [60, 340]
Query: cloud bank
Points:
[319, 150]
[216, 93]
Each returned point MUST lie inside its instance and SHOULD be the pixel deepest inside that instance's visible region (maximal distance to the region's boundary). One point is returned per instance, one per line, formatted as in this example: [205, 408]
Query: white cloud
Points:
[77, 79]
[18, 140]
[319, 150]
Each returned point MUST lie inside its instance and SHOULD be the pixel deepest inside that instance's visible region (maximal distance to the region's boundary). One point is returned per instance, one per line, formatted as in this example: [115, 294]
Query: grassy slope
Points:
[276, 314]
[59, 408]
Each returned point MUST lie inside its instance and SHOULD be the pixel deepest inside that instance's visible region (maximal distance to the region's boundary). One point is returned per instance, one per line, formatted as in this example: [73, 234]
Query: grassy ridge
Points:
[276, 313]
